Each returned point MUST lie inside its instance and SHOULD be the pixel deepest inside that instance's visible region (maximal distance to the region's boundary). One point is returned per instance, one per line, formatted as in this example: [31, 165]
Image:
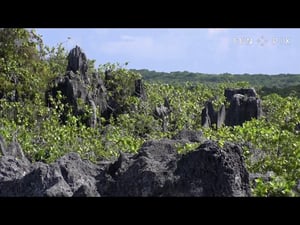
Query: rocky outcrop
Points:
[81, 89]
[77, 61]
[157, 170]
[209, 116]
[68, 176]
[162, 112]
[243, 106]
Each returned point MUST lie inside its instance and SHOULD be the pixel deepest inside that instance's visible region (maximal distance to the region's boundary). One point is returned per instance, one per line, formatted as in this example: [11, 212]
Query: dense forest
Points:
[282, 84]
[48, 127]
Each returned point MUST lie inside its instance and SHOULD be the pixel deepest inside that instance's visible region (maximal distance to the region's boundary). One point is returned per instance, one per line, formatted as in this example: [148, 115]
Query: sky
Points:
[212, 51]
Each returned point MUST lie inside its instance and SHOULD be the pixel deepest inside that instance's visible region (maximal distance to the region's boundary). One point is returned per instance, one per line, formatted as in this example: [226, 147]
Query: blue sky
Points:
[213, 51]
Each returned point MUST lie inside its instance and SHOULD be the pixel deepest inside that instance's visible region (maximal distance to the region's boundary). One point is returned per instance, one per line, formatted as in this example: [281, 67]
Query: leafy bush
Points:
[27, 66]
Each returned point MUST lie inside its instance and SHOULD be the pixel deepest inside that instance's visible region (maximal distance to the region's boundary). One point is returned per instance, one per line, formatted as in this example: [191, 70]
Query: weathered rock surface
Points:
[213, 171]
[69, 176]
[157, 170]
[81, 89]
[77, 61]
[79, 92]
[242, 108]
[147, 173]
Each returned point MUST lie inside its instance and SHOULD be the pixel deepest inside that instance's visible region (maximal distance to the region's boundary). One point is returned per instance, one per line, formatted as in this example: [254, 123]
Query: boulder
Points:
[68, 176]
[212, 171]
[42, 181]
[79, 174]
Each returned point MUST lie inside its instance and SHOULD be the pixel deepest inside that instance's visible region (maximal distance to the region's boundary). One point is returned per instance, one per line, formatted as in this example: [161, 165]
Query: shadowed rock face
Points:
[77, 61]
[213, 171]
[242, 108]
[157, 170]
[209, 116]
[78, 93]
[79, 88]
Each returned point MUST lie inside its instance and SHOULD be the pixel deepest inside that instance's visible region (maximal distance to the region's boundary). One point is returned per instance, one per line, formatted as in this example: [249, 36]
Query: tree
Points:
[23, 70]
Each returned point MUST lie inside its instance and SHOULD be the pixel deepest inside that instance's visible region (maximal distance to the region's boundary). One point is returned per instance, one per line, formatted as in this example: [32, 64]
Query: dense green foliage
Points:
[26, 65]
[293, 90]
[44, 138]
[275, 137]
[280, 83]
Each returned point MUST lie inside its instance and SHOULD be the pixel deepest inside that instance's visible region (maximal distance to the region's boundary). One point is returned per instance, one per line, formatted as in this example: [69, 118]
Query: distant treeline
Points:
[282, 84]
[293, 90]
